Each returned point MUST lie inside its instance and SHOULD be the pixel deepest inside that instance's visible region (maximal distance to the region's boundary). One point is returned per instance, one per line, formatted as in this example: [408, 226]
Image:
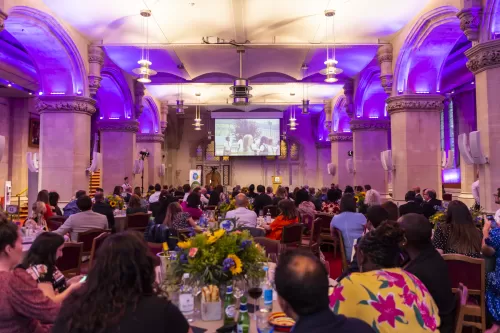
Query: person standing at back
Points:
[261, 200]
[302, 286]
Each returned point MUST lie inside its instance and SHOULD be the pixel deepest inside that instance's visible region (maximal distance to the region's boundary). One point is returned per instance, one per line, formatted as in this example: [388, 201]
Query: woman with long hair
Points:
[217, 197]
[382, 294]
[23, 306]
[134, 205]
[459, 233]
[280, 195]
[120, 294]
[53, 202]
[40, 264]
[43, 196]
[177, 219]
[288, 215]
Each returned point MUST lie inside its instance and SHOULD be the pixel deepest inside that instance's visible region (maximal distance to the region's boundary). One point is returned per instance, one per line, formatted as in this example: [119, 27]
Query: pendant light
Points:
[331, 70]
[293, 120]
[197, 118]
[305, 92]
[179, 106]
[145, 71]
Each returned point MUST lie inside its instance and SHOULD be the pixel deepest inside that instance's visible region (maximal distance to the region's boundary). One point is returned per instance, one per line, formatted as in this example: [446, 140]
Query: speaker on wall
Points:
[332, 169]
[349, 165]
[463, 147]
[161, 170]
[32, 161]
[475, 148]
[386, 159]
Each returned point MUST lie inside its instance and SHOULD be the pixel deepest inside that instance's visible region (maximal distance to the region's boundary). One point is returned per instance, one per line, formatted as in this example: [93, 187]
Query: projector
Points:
[241, 92]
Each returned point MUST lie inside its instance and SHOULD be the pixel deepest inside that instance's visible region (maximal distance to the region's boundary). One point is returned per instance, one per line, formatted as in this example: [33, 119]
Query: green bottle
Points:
[229, 307]
[243, 317]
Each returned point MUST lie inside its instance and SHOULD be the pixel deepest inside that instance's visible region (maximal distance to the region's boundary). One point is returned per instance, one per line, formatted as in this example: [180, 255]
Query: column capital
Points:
[94, 84]
[335, 137]
[483, 56]
[328, 106]
[349, 94]
[384, 53]
[138, 94]
[3, 17]
[164, 113]
[65, 104]
[129, 125]
[370, 125]
[415, 103]
[149, 137]
[96, 54]
[470, 22]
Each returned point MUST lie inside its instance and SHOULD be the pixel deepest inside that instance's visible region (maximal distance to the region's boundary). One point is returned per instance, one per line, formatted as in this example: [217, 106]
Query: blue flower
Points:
[227, 264]
[245, 244]
[227, 225]
[183, 258]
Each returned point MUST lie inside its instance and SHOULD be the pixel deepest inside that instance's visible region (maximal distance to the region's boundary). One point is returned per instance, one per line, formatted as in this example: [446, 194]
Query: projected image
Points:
[247, 137]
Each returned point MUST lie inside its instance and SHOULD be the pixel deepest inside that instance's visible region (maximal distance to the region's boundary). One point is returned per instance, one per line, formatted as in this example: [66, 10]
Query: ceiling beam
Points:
[167, 46]
[240, 31]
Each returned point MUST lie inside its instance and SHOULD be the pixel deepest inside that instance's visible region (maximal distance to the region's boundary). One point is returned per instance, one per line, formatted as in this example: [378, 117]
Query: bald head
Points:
[241, 200]
[418, 230]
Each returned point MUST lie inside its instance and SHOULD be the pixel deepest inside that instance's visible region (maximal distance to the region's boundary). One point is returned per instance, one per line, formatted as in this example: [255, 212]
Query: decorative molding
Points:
[128, 125]
[94, 84]
[384, 53]
[335, 137]
[348, 93]
[3, 17]
[470, 22]
[386, 82]
[139, 94]
[149, 137]
[415, 103]
[370, 125]
[164, 126]
[65, 104]
[96, 55]
[483, 56]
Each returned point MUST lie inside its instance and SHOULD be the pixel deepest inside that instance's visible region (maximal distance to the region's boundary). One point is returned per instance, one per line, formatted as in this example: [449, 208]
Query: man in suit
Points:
[411, 206]
[418, 196]
[261, 200]
[83, 221]
[430, 205]
[102, 207]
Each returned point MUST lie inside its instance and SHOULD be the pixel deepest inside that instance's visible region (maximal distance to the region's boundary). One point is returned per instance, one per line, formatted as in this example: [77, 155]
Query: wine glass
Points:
[239, 288]
[255, 292]
[196, 290]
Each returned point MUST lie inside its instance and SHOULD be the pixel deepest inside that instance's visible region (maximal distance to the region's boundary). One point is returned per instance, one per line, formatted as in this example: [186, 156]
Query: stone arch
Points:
[114, 92]
[149, 121]
[340, 118]
[59, 65]
[425, 49]
[370, 95]
[490, 20]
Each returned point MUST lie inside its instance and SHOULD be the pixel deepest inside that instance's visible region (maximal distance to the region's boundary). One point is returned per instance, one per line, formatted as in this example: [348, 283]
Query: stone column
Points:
[152, 143]
[384, 57]
[416, 142]
[138, 95]
[484, 62]
[349, 94]
[341, 144]
[164, 115]
[96, 60]
[369, 140]
[118, 151]
[64, 143]
[470, 19]
[328, 114]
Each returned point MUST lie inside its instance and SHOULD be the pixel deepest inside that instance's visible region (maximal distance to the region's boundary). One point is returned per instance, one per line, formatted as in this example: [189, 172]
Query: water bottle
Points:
[186, 298]
[268, 217]
[267, 291]
[243, 322]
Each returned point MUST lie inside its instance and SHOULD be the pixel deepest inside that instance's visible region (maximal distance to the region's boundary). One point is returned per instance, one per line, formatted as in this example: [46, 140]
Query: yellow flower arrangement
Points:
[237, 268]
[115, 201]
[184, 245]
[215, 236]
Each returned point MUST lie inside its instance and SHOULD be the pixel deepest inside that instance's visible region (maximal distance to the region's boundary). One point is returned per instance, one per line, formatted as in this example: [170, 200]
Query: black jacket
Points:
[429, 207]
[261, 201]
[410, 207]
[105, 209]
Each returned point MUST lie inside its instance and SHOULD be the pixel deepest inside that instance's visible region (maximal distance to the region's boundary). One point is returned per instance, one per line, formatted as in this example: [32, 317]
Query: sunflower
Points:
[238, 266]
[112, 204]
[215, 236]
[184, 245]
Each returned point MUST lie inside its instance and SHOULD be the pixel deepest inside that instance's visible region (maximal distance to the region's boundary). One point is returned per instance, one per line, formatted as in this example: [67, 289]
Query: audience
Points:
[192, 206]
[330, 205]
[127, 194]
[314, 198]
[43, 196]
[83, 221]
[288, 215]
[418, 196]
[120, 294]
[302, 286]
[261, 200]
[382, 295]
[269, 191]
[156, 195]
[23, 306]
[459, 233]
[245, 217]
[349, 223]
[144, 202]
[102, 207]
[161, 206]
[491, 236]
[306, 208]
[349, 189]
[251, 191]
[280, 195]
[392, 210]
[38, 213]
[372, 196]
[177, 219]
[134, 205]
[425, 262]
[411, 206]
[204, 197]
[53, 201]
[187, 190]
[217, 197]
[40, 264]
[431, 204]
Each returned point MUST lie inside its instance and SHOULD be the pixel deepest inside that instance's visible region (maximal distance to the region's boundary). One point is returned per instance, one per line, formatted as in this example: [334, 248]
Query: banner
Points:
[194, 178]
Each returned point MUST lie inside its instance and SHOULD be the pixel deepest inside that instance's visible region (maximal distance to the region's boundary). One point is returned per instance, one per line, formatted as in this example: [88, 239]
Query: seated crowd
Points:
[395, 280]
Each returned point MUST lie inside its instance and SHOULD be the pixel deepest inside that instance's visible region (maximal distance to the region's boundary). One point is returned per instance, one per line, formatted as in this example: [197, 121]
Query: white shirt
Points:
[154, 197]
[186, 195]
[246, 217]
[125, 186]
[227, 146]
[475, 191]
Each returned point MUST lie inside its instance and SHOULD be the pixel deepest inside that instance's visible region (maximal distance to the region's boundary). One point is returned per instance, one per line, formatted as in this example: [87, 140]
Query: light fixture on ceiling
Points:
[145, 72]
[305, 92]
[293, 120]
[240, 87]
[197, 119]
[331, 70]
[179, 106]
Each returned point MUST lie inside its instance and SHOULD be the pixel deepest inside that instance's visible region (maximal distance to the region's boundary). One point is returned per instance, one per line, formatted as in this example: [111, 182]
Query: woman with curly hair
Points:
[120, 294]
[383, 295]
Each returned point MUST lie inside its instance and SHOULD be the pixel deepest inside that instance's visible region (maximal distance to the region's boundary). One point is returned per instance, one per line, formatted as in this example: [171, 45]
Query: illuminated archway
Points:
[370, 95]
[114, 96]
[340, 118]
[149, 121]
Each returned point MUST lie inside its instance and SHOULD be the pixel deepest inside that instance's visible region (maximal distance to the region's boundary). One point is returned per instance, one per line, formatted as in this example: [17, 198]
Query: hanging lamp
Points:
[144, 71]
[293, 120]
[179, 106]
[305, 92]
[331, 70]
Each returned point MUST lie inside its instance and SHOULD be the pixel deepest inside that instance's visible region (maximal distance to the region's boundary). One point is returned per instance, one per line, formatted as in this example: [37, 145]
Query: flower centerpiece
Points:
[360, 198]
[115, 202]
[216, 257]
[440, 216]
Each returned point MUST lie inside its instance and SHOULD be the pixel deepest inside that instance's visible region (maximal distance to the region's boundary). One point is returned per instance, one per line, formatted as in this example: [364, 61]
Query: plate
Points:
[281, 322]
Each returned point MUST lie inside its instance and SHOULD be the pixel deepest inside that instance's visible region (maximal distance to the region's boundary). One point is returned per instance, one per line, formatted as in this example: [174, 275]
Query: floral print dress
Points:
[389, 300]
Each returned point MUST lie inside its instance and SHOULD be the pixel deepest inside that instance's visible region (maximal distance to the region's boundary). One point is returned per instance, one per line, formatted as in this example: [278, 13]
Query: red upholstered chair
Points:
[337, 234]
[292, 235]
[470, 273]
[326, 236]
[137, 221]
[70, 262]
[270, 245]
[96, 243]
[53, 224]
[87, 238]
[155, 248]
[272, 209]
[307, 221]
[312, 241]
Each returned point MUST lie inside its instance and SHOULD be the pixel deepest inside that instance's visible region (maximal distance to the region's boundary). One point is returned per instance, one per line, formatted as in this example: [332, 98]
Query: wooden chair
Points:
[336, 233]
[292, 235]
[469, 273]
[70, 262]
[183, 234]
[211, 207]
[96, 244]
[137, 221]
[461, 298]
[271, 208]
[87, 238]
[53, 224]
[312, 241]
[326, 237]
[307, 221]
[270, 245]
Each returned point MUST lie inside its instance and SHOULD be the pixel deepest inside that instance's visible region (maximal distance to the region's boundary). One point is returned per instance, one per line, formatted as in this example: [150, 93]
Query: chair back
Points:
[96, 243]
[272, 209]
[270, 245]
[212, 207]
[307, 220]
[70, 261]
[324, 225]
[292, 235]
[315, 232]
[467, 271]
[155, 248]
[137, 221]
[87, 238]
[183, 234]
[53, 224]
[254, 232]
[336, 233]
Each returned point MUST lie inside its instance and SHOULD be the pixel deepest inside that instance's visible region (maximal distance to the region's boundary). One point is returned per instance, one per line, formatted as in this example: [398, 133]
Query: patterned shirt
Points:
[40, 273]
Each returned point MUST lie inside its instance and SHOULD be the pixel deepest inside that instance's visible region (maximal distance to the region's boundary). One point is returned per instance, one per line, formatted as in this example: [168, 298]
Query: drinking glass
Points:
[255, 292]
[239, 288]
[196, 290]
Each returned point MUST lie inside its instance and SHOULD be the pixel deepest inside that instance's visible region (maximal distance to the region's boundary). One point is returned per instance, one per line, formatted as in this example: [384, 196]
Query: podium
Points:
[276, 181]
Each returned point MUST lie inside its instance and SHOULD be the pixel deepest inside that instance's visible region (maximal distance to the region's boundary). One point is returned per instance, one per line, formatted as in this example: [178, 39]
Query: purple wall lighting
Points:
[114, 96]
[451, 176]
[149, 120]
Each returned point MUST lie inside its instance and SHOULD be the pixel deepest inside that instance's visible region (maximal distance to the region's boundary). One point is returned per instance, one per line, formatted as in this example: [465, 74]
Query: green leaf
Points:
[364, 303]
[419, 316]
[372, 295]
[401, 320]
[336, 307]
[385, 284]
[374, 327]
